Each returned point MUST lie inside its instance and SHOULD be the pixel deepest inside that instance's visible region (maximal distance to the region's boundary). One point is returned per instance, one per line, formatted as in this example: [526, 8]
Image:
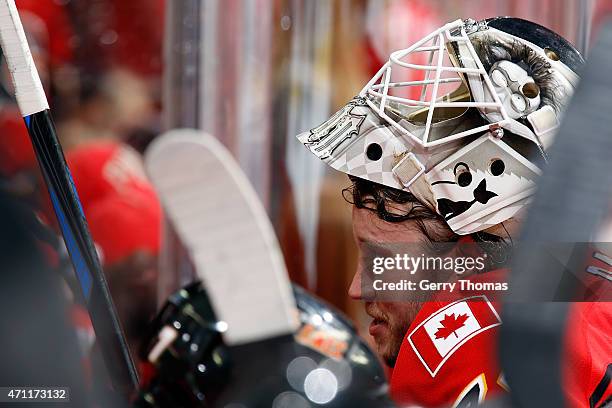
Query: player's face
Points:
[390, 320]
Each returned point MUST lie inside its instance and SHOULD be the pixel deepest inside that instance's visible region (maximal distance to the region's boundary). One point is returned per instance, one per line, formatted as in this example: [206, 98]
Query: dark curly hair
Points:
[389, 205]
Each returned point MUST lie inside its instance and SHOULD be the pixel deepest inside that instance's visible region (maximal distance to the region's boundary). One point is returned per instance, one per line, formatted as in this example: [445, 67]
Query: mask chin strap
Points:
[410, 171]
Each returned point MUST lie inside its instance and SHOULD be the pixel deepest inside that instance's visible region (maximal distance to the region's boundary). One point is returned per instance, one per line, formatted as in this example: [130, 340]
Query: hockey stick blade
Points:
[35, 110]
[220, 219]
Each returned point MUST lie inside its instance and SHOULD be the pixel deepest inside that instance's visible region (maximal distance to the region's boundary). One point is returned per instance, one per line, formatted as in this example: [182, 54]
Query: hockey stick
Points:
[35, 111]
[223, 224]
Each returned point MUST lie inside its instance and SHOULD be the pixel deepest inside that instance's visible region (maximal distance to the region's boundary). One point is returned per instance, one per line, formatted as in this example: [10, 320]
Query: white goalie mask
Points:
[461, 119]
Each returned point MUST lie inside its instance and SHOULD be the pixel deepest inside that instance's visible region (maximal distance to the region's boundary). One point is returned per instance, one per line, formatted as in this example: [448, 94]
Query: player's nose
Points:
[355, 289]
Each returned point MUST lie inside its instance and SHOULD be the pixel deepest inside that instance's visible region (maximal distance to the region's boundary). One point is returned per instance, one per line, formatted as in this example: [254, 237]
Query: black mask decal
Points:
[450, 209]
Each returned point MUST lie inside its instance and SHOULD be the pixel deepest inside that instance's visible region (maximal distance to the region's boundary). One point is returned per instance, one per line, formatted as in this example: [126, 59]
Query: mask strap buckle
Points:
[408, 170]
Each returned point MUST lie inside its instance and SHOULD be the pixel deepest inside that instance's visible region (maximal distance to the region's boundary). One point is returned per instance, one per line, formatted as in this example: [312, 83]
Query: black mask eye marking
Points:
[464, 179]
[497, 167]
[374, 152]
[462, 174]
[443, 182]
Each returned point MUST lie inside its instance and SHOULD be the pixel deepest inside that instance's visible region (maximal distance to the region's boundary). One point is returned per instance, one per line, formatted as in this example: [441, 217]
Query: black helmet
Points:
[324, 362]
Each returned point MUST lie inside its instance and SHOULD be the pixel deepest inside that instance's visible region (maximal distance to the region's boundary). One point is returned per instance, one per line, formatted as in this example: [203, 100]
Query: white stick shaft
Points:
[28, 88]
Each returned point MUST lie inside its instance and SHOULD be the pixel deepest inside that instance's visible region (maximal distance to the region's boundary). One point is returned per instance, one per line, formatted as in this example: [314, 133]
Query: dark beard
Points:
[398, 333]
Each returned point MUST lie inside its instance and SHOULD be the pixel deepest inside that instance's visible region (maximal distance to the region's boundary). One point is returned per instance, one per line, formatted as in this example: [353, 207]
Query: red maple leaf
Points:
[450, 325]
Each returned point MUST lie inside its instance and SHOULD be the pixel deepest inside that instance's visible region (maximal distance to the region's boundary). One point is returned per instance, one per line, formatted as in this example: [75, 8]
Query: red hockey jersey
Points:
[449, 354]
[447, 357]
[587, 370]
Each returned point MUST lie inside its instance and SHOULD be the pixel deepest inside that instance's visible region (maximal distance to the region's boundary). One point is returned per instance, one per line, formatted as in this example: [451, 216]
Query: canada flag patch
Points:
[436, 338]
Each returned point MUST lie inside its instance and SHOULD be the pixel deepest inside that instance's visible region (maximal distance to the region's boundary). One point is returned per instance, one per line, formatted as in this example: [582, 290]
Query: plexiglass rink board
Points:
[256, 73]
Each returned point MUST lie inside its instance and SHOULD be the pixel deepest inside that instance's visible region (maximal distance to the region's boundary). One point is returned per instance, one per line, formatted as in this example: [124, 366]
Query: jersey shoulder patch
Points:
[435, 339]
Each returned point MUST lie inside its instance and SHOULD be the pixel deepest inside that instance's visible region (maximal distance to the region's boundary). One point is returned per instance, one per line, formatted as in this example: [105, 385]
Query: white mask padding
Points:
[510, 81]
[516, 127]
[544, 123]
